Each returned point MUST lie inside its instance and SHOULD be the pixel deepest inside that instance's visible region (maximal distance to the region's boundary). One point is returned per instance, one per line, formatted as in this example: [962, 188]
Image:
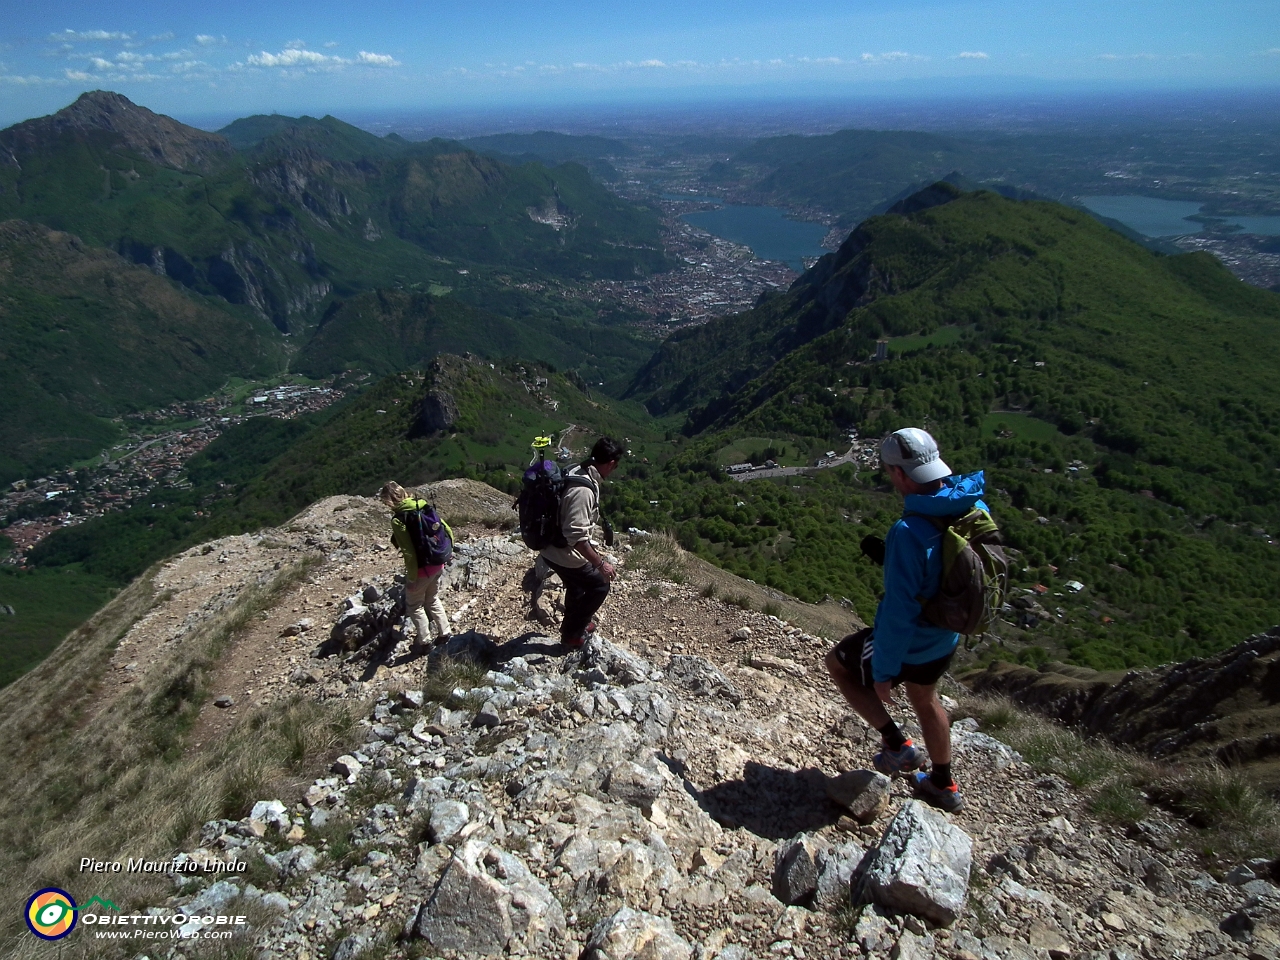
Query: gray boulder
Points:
[633, 935]
[347, 766]
[613, 663]
[837, 870]
[448, 817]
[213, 899]
[795, 873]
[293, 862]
[488, 902]
[490, 715]
[922, 865]
[701, 676]
[634, 784]
[863, 793]
[469, 911]
[351, 947]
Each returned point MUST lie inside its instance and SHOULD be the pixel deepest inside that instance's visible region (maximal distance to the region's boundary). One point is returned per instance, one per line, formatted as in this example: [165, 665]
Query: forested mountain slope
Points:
[455, 416]
[1121, 401]
[309, 208]
[851, 171]
[86, 336]
[388, 330]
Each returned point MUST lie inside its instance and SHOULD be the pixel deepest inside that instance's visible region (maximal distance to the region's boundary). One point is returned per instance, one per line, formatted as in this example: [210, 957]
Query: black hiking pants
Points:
[584, 591]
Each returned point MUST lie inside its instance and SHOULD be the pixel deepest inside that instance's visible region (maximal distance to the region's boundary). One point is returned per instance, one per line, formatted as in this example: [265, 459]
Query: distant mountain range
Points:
[309, 207]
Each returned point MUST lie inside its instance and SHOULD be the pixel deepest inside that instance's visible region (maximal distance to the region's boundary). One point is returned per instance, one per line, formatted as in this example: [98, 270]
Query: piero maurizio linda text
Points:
[177, 865]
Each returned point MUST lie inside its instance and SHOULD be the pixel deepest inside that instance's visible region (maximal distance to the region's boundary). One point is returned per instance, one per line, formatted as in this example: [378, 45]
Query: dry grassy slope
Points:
[115, 748]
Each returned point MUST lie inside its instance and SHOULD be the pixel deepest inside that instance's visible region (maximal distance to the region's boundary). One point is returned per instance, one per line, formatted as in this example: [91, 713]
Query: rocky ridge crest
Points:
[688, 785]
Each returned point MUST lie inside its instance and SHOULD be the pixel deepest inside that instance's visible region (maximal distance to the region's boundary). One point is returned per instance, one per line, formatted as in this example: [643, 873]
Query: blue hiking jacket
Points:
[913, 568]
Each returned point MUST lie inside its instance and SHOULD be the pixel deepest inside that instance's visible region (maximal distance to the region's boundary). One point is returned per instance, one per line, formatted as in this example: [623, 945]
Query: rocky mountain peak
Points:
[156, 137]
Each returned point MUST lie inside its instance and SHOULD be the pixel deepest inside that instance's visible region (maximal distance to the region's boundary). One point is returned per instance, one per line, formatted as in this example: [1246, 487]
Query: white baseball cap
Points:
[916, 453]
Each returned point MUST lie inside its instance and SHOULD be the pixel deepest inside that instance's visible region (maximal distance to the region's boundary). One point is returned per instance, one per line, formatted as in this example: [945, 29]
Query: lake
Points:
[1167, 218]
[766, 230]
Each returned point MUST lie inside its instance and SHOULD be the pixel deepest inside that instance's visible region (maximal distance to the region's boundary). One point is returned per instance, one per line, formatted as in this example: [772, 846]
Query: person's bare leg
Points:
[863, 699]
[934, 723]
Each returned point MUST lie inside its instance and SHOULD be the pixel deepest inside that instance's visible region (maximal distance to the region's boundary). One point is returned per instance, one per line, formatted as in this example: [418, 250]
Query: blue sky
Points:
[239, 57]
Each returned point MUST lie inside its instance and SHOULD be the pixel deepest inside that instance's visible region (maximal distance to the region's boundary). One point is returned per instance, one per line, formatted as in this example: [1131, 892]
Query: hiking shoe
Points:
[574, 643]
[903, 760]
[944, 798]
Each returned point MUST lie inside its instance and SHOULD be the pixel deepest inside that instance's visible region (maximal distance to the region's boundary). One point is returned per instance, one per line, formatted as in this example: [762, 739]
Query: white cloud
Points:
[208, 39]
[20, 81]
[296, 45]
[161, 37]
[1126, 56]
[1273, 52]
[78, 75]
[299, 57]
[972, 55]
[288, 58]
[652, 63]
[331, 44]
[74, 36]
[893, 56]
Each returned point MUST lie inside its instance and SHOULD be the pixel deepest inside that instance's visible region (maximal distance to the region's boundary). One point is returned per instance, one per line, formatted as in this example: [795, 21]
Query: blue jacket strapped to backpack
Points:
[913, 568]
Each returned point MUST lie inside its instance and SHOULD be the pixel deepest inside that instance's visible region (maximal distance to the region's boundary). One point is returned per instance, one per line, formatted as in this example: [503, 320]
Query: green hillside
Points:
[264, 471]
[1153, 375]
[388, 330]
[548, 147]
[849, 172]
[248, 132]
[453, 202]
[86, 336]
[551, 149]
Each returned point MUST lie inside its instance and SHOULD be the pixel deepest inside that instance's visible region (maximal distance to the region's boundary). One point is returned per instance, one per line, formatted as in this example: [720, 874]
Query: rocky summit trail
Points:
[688, 785]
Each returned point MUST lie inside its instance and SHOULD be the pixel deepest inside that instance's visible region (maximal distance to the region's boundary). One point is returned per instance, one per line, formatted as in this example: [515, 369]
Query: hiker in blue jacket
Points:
[902, 647]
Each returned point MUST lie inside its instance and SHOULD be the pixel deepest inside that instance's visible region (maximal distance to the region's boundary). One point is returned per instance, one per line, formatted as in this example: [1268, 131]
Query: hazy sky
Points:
[249, 56]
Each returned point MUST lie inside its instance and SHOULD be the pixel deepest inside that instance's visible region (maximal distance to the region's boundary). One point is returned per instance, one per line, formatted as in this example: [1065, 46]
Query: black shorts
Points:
[854, 654]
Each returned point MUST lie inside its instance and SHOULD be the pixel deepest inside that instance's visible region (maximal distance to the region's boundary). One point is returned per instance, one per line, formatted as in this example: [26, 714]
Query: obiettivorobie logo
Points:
[52, 913]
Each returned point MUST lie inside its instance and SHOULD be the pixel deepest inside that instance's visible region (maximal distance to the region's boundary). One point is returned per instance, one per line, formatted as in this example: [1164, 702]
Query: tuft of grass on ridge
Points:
[1231, 817]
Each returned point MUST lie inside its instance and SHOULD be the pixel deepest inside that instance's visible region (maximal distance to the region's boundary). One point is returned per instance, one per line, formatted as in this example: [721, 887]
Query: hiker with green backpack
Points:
[944, 574]
[426, 544]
